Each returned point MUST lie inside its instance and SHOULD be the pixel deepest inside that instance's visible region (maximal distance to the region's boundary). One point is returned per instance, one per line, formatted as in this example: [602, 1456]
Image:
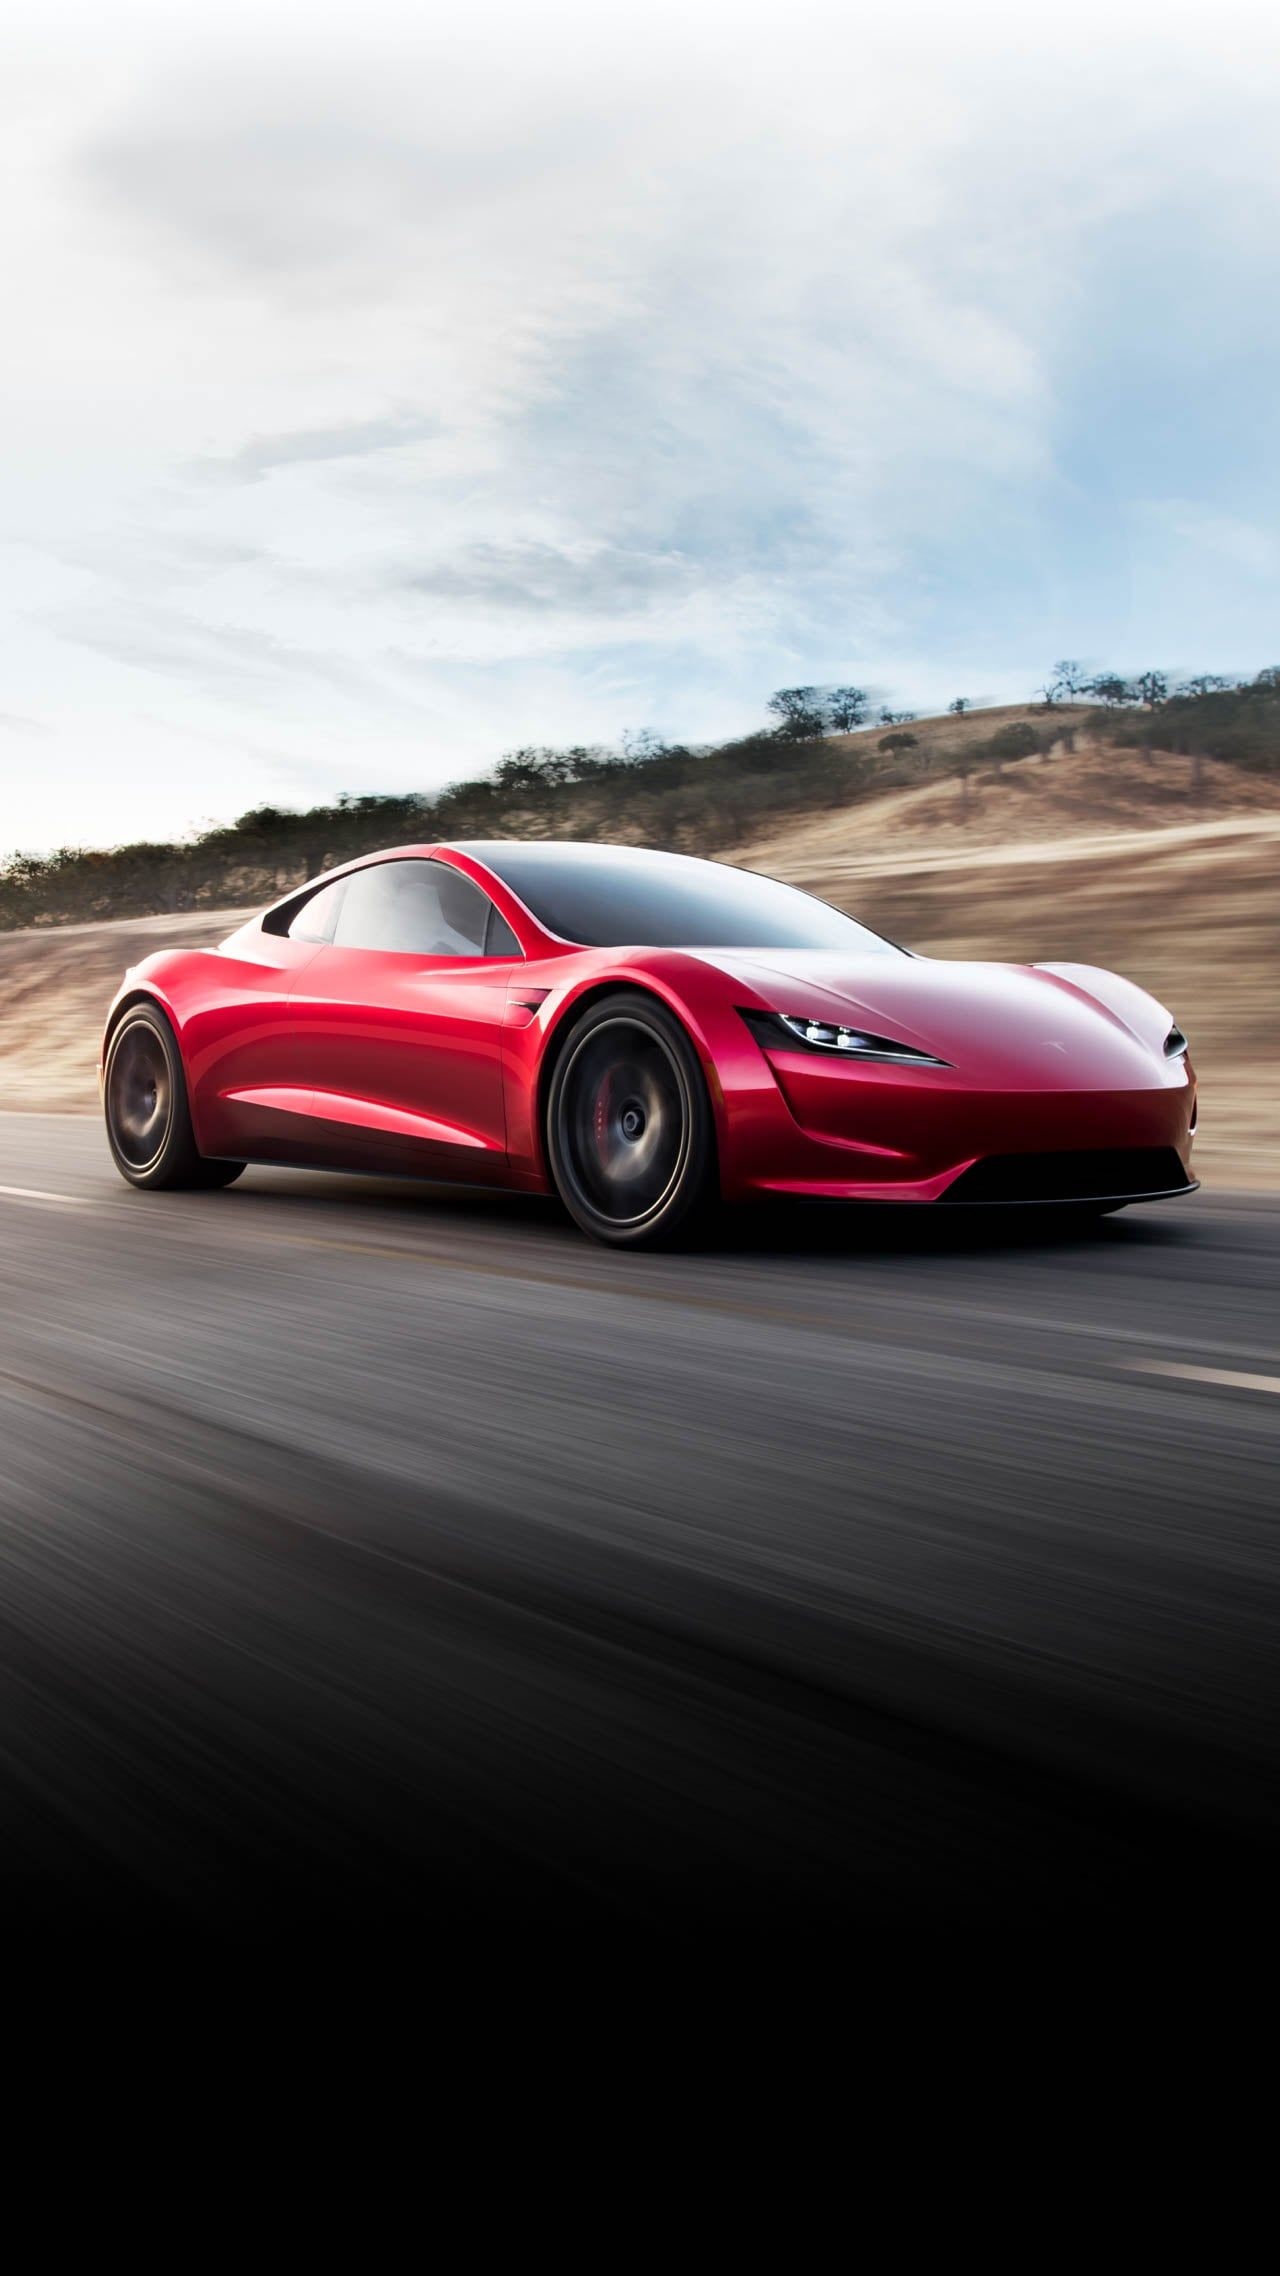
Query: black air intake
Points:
[1117, 1173]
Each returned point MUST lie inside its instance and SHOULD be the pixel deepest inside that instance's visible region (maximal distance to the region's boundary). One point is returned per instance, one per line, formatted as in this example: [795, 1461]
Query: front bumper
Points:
[887, 1133]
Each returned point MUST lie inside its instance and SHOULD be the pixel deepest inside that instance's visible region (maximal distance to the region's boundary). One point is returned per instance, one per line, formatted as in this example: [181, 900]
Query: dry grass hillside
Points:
[1089, 792]
[55, 985]
[1132, 859]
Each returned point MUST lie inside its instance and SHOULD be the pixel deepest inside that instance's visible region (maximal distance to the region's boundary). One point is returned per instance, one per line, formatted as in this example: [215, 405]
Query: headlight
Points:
[1175, 1044]
[783, 1031]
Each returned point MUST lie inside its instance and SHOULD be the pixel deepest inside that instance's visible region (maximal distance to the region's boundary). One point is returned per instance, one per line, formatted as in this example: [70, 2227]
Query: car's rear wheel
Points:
[144, 1096]
[629, 1127]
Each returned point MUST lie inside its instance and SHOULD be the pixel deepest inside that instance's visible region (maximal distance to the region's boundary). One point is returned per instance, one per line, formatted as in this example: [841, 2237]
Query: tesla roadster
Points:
[641, 1033]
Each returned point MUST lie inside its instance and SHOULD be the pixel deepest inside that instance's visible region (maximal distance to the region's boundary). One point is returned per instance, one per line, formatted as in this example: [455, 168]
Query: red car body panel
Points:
[410, 1047]
[437, 1066]
[230, 1012]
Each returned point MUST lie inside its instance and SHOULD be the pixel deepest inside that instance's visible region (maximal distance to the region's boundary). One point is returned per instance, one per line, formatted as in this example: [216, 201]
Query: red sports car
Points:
[641, 1033]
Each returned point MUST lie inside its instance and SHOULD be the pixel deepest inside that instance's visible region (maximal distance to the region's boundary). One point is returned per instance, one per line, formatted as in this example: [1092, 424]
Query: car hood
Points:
[1059, 1026]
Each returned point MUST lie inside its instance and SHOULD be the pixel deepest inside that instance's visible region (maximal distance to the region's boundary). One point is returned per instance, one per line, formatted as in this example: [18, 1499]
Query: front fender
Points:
[1142, 1013]
[703, 999]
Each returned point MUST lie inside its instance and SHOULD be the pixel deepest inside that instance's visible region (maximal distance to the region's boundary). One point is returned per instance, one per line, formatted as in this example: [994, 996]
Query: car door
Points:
[247, 1091]
[399, 1021]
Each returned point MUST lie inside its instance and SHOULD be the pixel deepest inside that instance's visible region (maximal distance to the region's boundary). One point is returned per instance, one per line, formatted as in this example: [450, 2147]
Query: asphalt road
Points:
[380, 1550]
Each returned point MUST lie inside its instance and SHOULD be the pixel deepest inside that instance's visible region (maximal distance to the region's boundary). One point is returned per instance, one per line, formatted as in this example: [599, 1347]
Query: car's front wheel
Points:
[144, 1095]
[629, 1126]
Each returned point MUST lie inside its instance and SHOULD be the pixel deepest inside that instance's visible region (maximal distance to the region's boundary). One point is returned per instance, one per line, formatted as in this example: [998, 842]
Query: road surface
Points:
[387, 1551]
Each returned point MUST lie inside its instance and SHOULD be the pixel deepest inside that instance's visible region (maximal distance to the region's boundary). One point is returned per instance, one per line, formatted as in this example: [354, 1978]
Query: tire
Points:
[630, 1136]
[144, 1099]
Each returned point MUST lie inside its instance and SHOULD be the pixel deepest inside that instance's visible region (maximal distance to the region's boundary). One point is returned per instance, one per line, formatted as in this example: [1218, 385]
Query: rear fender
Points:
[140, 985]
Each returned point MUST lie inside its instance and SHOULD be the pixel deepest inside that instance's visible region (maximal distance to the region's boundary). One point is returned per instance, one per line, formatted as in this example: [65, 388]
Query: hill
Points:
[653, 794]
[1091, 790]
[1201, 748]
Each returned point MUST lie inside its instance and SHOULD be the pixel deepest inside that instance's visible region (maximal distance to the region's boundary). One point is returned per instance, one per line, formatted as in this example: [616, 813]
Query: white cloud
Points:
[412, 382]
[311, 446]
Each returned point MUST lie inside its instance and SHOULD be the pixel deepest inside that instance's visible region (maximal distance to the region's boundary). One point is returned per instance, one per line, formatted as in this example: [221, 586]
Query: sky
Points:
[384, 387]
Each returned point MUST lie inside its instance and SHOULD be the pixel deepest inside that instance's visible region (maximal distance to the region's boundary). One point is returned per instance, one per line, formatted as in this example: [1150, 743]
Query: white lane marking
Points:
[940, 1309]
[1231, 1376]
[38, 1193]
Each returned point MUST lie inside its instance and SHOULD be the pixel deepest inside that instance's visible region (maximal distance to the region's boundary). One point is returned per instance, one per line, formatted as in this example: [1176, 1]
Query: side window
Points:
[316, 918]
[500, 940]
[416, 908]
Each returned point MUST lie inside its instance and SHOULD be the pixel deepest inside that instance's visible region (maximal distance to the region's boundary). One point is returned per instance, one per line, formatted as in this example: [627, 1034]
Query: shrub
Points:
[1018, 741]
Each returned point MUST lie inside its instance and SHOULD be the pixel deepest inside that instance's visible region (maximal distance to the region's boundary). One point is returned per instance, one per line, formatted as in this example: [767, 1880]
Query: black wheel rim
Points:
[623, 1122]
[140, 1096]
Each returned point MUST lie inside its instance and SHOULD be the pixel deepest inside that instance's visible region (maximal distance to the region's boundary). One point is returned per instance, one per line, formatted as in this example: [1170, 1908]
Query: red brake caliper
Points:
[602, 1114]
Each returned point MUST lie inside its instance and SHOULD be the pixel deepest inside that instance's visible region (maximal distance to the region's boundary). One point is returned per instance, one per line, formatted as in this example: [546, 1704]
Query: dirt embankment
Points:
[1098, 857]
[55, 985]
[1093, 792]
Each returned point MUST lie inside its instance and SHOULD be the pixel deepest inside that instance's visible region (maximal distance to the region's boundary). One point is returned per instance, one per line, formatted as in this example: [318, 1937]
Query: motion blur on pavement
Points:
[373, 1551]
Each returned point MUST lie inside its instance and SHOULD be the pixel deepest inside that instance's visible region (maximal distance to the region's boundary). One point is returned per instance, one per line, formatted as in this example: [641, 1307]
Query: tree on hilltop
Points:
[799, 713]
[1110, 689]
[521, 771]
[641, 744]
[847, 708]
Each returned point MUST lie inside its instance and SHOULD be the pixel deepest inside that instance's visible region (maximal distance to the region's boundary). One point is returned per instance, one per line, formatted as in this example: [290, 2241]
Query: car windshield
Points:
[623, 896]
